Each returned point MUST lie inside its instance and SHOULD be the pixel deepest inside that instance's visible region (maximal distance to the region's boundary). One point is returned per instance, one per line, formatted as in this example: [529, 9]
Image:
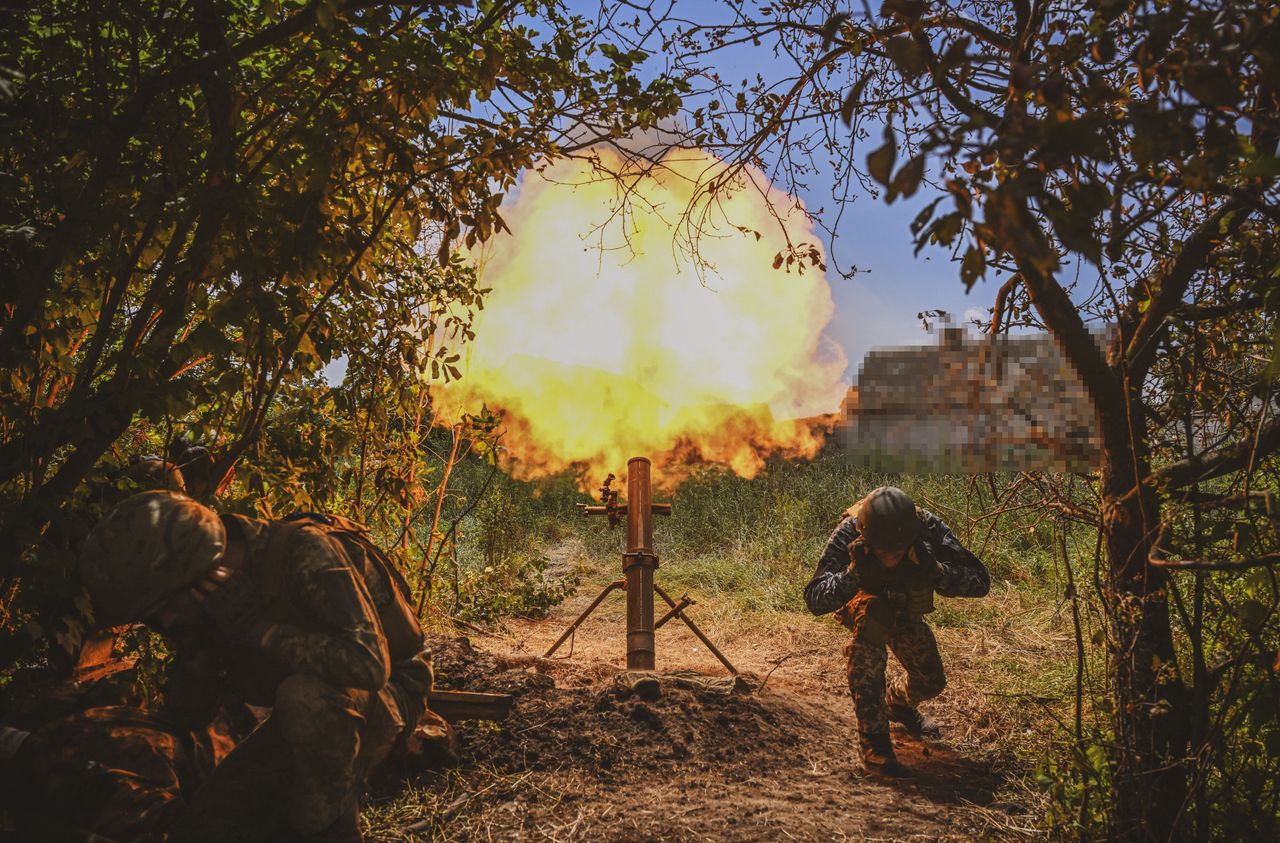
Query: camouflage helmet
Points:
[887, 519]
[148, 472]
[196, 464]
[151, 545]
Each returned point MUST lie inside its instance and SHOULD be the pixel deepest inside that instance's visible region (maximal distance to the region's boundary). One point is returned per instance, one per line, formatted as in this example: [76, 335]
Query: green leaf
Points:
[972, 267]
[326, 13]
[1099, 757]
[945, 228]
[854, 97]
[880, 162]
[1252, 613]
[832, 27]
[922, 218]
[1074, 227]
[1264, 166]
[907, 181]
[907, 55]
[909, 10]
[1271, 740]
[1273, 368]
[1209, 82]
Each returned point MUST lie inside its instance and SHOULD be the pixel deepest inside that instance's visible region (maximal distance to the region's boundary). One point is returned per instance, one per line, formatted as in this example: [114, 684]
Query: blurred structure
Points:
[968, 405]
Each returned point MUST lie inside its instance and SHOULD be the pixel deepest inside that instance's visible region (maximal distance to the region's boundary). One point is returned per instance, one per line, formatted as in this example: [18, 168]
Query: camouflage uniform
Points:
[341, 664]
[119, 771]
[885, 608]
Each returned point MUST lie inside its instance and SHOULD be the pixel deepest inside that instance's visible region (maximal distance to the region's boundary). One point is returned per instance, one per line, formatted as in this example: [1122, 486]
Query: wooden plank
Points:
[469, 705]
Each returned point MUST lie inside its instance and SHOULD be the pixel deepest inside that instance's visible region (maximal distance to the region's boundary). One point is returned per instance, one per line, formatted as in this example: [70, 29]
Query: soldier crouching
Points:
[879, 572]
[304, 616]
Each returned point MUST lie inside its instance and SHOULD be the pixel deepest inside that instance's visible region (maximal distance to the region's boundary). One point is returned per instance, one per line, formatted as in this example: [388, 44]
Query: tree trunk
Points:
[1149, 757]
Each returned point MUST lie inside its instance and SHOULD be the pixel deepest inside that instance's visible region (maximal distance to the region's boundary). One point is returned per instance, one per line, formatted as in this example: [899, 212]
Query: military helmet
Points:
[148, 473]
[196, 464]
[887, 519]
[148, 547]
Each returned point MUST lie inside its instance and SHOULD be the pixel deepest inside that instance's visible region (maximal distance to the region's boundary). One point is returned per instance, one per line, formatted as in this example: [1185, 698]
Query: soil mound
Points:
[591, 752]
[611, 722]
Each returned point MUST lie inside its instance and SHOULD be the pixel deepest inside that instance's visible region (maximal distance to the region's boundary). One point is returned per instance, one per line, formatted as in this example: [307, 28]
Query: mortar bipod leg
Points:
[574, 626]
[694, 628]
[685, 602]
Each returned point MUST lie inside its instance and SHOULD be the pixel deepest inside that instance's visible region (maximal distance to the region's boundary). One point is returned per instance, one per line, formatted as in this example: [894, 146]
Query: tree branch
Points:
[1196, 313]
[1209, 501]
[1002, 297]
[1219, 462]
[958, 100]
[1172, 286]
[1214, 564]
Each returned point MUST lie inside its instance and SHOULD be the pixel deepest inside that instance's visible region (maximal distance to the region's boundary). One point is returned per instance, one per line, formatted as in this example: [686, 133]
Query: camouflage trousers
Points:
[302, 769]
[916, 649]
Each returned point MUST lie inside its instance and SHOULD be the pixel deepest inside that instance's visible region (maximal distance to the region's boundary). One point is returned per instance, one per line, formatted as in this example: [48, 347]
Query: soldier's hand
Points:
[925, 559]
[232, 601]
[857, 551]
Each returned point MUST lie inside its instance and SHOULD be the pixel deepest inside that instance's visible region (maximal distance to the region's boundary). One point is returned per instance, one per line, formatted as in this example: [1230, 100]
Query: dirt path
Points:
[586, 757]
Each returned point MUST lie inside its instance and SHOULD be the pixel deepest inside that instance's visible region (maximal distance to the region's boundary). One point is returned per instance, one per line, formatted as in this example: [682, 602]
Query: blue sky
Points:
[880, 305]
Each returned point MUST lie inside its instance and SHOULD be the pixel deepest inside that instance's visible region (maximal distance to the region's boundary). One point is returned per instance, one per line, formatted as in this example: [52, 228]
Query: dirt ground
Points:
[586, 756]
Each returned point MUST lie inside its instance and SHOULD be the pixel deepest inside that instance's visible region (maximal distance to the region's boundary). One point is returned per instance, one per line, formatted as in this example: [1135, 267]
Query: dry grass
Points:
[744, 551]
[483, 803]
[1008, 659]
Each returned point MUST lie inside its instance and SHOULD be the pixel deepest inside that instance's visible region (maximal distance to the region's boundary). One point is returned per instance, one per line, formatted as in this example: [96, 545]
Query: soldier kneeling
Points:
[879, 572]
[304, 616]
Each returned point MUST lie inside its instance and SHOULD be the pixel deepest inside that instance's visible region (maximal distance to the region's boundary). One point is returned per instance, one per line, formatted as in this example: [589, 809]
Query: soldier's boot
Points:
[878, 756]
[916, 724]
[432, 744]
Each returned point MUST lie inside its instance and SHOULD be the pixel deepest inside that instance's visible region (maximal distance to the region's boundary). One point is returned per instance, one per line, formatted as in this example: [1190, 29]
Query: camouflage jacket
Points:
[120, 771]
[325, 611]
[834, 584]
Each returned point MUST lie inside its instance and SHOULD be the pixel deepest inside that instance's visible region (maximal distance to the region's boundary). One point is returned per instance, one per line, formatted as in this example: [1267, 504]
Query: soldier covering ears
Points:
[879, 572]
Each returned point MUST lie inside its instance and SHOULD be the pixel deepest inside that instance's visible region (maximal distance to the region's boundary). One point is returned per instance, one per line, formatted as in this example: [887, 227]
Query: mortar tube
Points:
[637, 566]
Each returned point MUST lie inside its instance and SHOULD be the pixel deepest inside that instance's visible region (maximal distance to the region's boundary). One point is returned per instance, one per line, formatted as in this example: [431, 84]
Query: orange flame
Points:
[601, 340]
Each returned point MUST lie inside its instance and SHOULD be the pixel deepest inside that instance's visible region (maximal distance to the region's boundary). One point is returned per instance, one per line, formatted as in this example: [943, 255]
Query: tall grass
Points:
[754, 543]
[746, 548]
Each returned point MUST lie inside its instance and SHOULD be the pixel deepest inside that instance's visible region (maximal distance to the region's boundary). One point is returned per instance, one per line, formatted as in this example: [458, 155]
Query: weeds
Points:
[746, 548]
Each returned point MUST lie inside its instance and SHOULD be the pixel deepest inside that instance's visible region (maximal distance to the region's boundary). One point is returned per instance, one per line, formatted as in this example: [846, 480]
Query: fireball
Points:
[604, 337]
